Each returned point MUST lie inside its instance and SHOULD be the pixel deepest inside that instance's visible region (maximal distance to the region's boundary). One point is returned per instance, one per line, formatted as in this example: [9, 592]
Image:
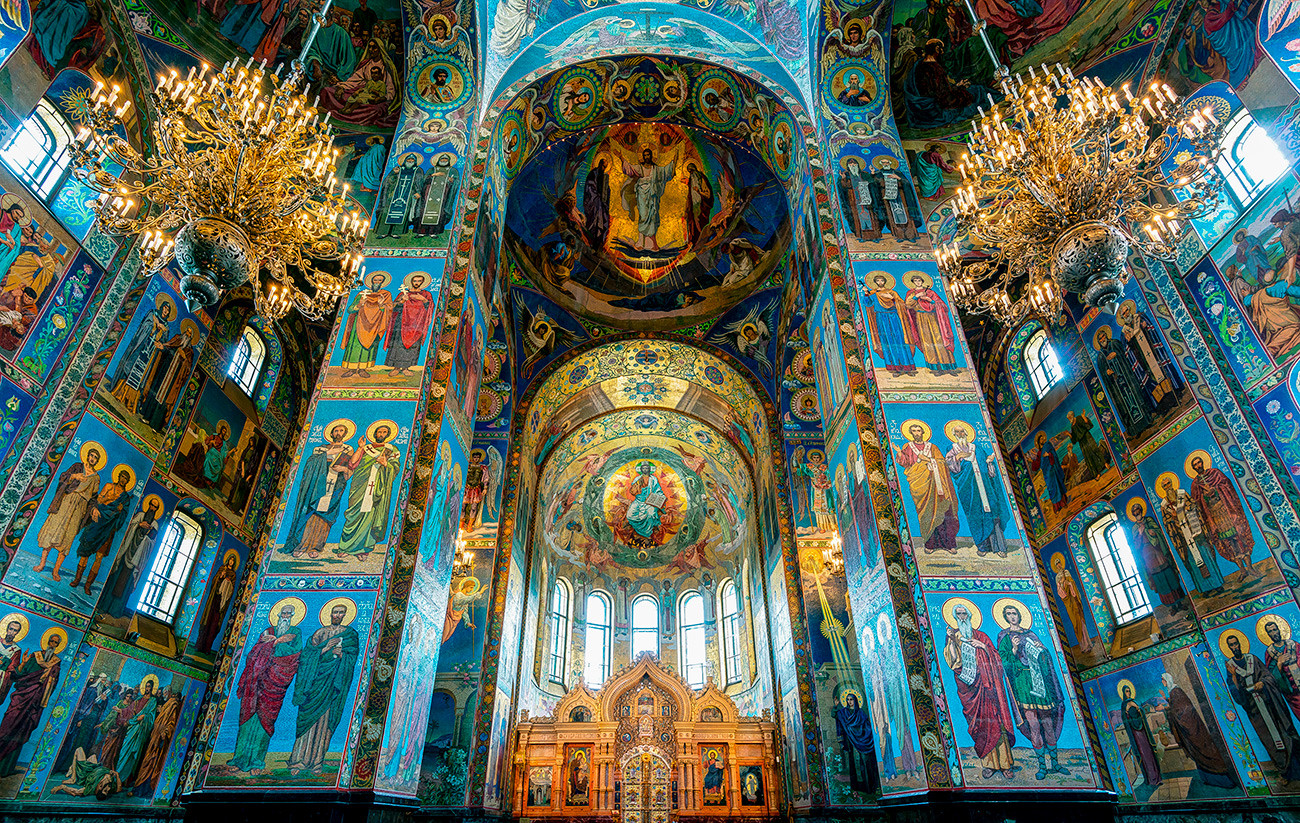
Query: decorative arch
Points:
[213, 532]
[580, 697]
[678, 364]
[629, 678]
[1093, 593]
[273, 364]
[711, 34]
[811, 175]
[1016, 366]
[710, 701]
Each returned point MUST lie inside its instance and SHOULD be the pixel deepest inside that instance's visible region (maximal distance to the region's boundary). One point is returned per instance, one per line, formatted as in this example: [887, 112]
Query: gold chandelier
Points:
[239, 186]
[1062, 180]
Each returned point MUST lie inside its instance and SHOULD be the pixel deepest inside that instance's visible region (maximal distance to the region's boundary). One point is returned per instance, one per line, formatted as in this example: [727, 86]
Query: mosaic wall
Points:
[119, 424]
[923, 602]
[1171, 441]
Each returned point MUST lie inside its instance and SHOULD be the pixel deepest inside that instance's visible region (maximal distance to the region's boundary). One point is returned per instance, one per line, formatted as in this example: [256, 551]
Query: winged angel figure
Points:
[750, 335]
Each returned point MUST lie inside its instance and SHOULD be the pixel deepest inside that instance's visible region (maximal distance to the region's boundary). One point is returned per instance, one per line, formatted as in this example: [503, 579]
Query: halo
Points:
[87, 446]
[122, 467]
[1187, 464]
[371, 275]
[392, 427]
[144, 504]
[1057, 562]
[21, 620]
[347, 603]
[54, 631]
[299, 610]
[976, 616]
[1119, 688]
[906, 429]
[844, 162]
[1096, 334]
[350, 425]
[191, 330]
[1160, 481]
[469, 578]
[1026, 619]
[950, 430]
[149, 678]
[164, 299]
[406, 281]
[890, 282]
[433, 18]
[1282, 626]
[229, 554]
[821, 455]
[1127, 305]
[479, 453]
[1136, 509]
[926, 279]
[1241, 638]
[884, 161]
[8, 201]
[851, 690]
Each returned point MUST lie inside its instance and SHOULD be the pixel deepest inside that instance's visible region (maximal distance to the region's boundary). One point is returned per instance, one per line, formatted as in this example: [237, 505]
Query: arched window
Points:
[730, 632]
[645, 625]
[691, 623]
[1119, 573]
[1041, 363]
[1250, 161]
[246, 363]
[39, 152]
[597, 641]
[169, 573]
[559, 618]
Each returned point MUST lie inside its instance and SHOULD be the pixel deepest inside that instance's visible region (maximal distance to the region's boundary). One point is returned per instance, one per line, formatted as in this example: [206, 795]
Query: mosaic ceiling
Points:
[645, 489]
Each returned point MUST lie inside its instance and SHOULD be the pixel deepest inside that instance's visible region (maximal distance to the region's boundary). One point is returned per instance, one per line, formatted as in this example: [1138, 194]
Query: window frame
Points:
[1239, 139]
[1118, 570]
[44, 167]
[729, 609]
[1041, 363]
[606, 631]
[636, 630]
[688, 635]
[246, 361]
[163, 590]
[560, 620]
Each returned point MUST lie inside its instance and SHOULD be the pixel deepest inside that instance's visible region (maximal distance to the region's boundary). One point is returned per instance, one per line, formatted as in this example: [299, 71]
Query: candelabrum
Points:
[1063, 178]
[462, 563]
[238, 184]
[835, 555]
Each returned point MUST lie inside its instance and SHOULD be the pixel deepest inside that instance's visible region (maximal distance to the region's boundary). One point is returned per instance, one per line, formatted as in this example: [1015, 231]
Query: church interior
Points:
[747, 410]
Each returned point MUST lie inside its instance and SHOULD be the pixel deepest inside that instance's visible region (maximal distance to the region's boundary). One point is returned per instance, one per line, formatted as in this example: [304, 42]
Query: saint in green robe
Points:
[370, 496]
